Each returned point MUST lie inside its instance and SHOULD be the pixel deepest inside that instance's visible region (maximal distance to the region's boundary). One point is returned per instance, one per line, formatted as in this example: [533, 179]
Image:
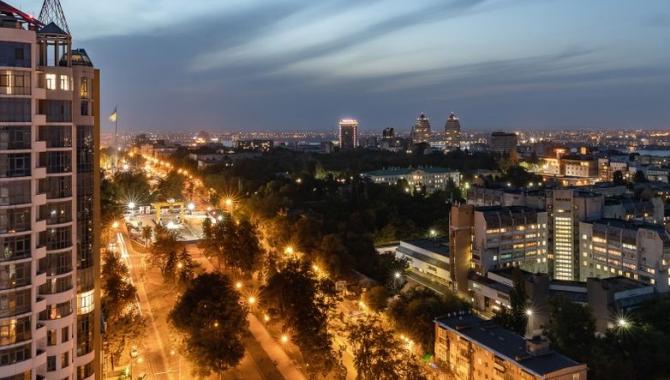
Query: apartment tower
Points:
[452, 133]
[421, 131]
[348, 134]
[49, 181]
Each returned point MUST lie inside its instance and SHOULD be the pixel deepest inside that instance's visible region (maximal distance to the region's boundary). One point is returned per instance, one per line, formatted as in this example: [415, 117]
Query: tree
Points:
[247, 253]
[304, 302]
[122, 319]
[571, 328]
[170, 187]
[212, 320]
[376, 298]
[378, 354]
[165, 252]
[413, 313]
[639, 177]
[515, 318]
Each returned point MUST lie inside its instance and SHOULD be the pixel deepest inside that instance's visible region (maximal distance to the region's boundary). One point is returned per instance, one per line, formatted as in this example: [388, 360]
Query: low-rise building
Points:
[428, 258]
[503, 142]
[476, 349]
[428, 179]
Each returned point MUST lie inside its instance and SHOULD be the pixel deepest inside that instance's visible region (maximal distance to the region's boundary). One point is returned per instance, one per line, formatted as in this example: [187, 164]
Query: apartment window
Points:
[65, 83]
[14, 331]
[84, 108]
[56, 162]
[56, 111]
[14, 275]
[14, 248]
[51, 363]
[15, 110]
[50, 81]
[14, 355]
[83, 88]
[51, 338]
[65, 334]
[15, 165]
[15, 54]
[56, 136]
[14, 137]
[14, 220]
[57, 263]
[65, 359]
[56, 187]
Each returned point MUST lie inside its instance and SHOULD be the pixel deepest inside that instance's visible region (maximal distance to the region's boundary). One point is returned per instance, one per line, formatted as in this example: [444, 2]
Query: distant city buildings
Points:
[421, 131]
[452, 133]
[348, 134]
[427, 179]
[503, 142]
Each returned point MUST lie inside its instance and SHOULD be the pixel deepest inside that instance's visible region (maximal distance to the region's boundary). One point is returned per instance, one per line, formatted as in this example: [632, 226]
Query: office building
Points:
[49, 186]
[509, 237]
[452, 133]
[636, 250]
[388, 133]
[568, 207]
[421, 131]
[476, 349]
[424, 179]
[461, 223]
[348, 134]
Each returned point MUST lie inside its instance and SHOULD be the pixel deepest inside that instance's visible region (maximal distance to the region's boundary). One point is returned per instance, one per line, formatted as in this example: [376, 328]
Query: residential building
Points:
[509, 237]
[566, 208]
[348, 134]
[49, 201]
[421, 131]
[428, 179]
[452, 132]
[477, 349]
[254, 145]
[503, 142]
[636, 250]
[461, 224]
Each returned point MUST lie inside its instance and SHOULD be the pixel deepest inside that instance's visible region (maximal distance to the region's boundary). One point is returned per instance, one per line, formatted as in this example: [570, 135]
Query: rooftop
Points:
[407, 171]
[505, 343]
[437, 245]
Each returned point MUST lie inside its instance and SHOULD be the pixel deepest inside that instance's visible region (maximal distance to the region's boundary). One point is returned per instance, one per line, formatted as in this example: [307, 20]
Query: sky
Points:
[230, 65]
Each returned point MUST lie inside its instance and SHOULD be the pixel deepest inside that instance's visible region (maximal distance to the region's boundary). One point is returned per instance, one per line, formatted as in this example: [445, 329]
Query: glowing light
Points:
[266, 318]
[238, 285]
[191, 206]
[228, 202]
[529, 312]
[284, 338]
[251, 300]
[131, 205]
[623, 323]
[397, 275]
[288, 250]
[115, 225]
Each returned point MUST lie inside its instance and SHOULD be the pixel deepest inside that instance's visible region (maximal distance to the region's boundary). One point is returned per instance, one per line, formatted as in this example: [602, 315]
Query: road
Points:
[159, 356]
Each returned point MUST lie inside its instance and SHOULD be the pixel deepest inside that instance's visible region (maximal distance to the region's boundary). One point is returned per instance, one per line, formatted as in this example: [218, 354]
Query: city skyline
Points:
[296, 65]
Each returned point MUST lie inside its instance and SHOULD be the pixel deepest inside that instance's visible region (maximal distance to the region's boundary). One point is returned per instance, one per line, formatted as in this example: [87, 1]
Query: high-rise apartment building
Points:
[49, 139]
[421, 131]
[348, 134]
[567, 208]
[452, 133]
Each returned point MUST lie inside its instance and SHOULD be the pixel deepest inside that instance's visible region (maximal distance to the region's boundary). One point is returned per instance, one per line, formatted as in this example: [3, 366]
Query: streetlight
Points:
[115, 225]
[238, 285]
[288, 250]
[228, 202]
[623, 323]
[284, 338]
[432, 233]
[191, 206]
[266, 318]
[131, 205]
[251, 300]
[397, 275]
[529, 312]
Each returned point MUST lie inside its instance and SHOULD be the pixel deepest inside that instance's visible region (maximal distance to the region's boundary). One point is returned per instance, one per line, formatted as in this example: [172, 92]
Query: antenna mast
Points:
[52, 11]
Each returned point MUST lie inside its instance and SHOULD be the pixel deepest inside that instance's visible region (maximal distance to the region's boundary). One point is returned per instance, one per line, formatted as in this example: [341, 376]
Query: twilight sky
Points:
[224, 65]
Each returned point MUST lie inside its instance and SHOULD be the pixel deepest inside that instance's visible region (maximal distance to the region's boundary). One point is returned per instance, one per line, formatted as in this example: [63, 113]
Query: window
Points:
[83, 88]
[15, 54]
[15, 110]
[56, 136]
[4, 80]
[64, 83]
[19, 54]
[15, 165]
[56, 111]
[51, 338]
[51, 363]
[50, 81]
[65, 334]
[15, 137]
[65, 359]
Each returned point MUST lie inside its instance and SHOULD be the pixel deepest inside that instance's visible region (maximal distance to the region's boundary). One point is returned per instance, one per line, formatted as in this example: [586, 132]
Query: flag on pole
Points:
[112, 117]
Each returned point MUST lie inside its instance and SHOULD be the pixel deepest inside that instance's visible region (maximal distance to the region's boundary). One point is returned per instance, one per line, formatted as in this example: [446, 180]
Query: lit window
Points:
[50, 81]
[64, 83]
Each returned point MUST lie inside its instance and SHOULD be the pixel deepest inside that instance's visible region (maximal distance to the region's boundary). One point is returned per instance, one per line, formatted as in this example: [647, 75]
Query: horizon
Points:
[498, 64]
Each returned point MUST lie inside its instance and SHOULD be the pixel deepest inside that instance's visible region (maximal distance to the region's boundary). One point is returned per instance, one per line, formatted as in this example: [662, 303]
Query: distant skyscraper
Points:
[503, 142]
[348, 134]
[421, 131]
[452, 133]
[49, 193]
[388, 133]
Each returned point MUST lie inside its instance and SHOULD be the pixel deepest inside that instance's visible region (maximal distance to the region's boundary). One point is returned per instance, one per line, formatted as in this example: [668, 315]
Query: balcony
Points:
[40, 304]
[40, 199]
[40, 252]
[39, 226]
[40, 146]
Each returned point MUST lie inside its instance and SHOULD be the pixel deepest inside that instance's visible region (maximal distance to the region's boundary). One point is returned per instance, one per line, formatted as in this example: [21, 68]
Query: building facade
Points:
[636, 250]
[452, 132]
[475, 349]
[509, 237]
[348, 134]
[49, 212]
[428, 179]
